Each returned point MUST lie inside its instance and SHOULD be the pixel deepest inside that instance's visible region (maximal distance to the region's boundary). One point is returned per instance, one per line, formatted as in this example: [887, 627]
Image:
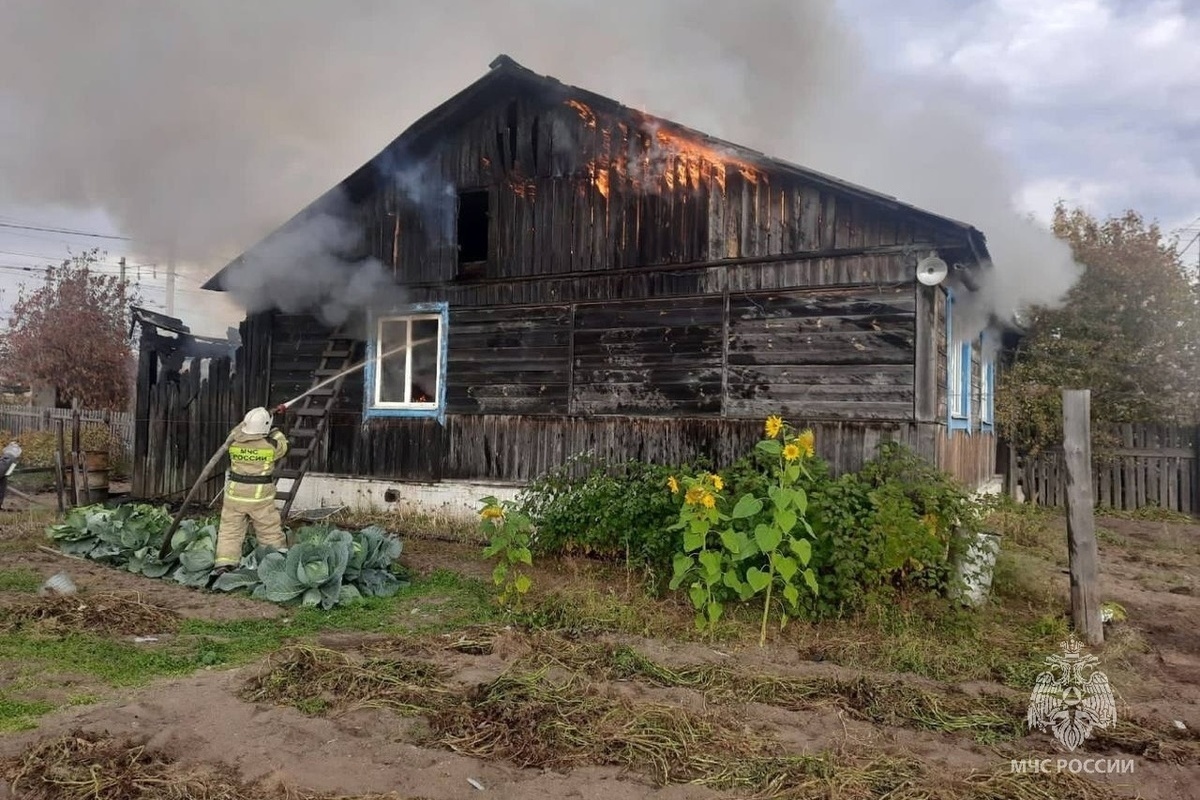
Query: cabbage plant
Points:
[310, 571]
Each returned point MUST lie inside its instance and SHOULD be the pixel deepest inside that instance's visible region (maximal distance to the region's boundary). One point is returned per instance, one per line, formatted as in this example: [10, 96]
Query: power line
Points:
[66, 231]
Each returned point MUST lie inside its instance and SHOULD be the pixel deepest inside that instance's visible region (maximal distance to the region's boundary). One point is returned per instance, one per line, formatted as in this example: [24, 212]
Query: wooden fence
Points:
[18, 420]
[188, 415]
[1133, 466]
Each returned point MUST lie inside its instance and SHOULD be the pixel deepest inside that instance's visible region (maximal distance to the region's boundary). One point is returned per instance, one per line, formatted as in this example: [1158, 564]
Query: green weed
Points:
[18, 715]
[19, 580]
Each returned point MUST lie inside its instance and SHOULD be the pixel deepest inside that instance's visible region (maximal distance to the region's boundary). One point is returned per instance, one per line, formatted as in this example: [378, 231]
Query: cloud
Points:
[1098, 99]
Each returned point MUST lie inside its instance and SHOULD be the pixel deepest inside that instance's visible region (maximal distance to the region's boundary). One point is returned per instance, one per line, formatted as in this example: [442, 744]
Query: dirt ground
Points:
[1150, 568]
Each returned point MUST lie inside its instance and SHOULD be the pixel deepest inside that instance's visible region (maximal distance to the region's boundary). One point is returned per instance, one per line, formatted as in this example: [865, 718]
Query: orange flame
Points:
[677, 160]
[526, 189]
[599, 175]
[585, 113]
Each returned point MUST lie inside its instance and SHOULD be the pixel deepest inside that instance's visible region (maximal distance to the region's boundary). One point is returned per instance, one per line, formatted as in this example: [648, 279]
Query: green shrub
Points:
[885, 529]
[616, 511]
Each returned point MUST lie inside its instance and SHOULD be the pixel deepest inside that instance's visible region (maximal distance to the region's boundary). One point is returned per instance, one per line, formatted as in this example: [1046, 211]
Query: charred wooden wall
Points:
[498, 447]
[575, 188]
[644, 296]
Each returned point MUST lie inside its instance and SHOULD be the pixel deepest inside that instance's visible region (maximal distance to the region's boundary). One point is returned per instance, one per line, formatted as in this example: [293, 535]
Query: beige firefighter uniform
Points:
[250, 494]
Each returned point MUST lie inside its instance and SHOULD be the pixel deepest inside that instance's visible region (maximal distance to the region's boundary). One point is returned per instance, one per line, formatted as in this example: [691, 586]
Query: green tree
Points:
[1129, 331]
[71, 333]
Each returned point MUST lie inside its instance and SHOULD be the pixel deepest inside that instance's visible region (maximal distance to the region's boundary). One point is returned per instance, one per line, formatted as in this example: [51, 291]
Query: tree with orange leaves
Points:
[71, 334]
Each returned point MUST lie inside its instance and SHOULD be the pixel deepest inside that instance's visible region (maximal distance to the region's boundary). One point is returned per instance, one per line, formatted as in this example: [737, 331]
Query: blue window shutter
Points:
[958, 409]
[965, 384]
[987, 390]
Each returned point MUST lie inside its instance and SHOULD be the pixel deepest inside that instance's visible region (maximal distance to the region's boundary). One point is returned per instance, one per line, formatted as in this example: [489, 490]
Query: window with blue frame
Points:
[406, 362]
[958, 374]
[987, 384]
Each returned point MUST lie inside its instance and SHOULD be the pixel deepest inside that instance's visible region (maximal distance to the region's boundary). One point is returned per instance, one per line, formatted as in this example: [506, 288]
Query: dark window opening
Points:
[512, 133]
[534, 136]
[472, 227]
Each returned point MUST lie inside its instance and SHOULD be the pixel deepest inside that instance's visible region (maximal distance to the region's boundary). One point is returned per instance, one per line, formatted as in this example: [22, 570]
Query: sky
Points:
[1099, 99]
[1094, 102]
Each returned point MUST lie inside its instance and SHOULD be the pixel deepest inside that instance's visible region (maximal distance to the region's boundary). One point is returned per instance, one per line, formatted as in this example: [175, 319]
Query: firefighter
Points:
[8, 463]
[255, 447]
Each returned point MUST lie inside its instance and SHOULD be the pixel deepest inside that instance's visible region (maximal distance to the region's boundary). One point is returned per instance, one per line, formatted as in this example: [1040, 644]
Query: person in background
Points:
[9, 457]
[254, 450]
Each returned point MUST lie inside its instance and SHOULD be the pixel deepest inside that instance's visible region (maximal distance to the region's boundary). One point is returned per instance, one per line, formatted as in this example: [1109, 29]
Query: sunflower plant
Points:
[508, 535]
[785, 537]
[761, 544]
[703, 564]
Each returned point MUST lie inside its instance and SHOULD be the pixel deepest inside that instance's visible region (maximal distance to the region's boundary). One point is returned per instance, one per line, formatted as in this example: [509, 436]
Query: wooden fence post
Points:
[58, 466]
[1081, 522]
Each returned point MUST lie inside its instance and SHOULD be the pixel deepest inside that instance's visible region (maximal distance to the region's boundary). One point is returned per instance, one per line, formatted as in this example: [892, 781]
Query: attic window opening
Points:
[472, 226]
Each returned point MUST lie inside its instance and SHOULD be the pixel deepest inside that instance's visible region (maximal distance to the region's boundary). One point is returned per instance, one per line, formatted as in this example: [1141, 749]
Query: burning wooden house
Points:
[577, 276]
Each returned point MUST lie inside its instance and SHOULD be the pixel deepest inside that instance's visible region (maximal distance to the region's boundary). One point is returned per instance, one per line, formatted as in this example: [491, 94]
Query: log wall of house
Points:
[969, 457]
[644, 296]
[575, 188]
[498, 447]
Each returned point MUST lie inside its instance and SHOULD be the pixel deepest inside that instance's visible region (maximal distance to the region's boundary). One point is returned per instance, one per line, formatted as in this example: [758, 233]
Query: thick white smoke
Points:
[206, 125]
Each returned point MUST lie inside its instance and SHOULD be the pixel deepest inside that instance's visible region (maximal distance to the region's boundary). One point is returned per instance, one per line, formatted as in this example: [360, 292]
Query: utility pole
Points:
[122, 263]
[171, 285]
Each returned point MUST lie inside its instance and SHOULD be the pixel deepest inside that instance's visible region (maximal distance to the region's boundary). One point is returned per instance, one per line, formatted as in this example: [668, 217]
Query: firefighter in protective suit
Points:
[254, 449]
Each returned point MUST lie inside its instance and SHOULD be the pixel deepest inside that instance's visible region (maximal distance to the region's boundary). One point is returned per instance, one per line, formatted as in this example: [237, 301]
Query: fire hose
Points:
[279, 409]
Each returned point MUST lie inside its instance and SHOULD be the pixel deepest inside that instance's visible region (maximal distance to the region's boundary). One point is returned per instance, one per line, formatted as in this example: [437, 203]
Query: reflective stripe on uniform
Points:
[254, 458]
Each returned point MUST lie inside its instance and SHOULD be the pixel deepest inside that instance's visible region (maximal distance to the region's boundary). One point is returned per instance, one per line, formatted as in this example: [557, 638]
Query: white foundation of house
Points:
[993, 485]
[444, 498]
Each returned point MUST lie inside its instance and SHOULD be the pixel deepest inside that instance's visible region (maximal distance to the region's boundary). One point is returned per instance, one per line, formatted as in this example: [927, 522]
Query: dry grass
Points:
[532, 720]
[552, 710]
[1144, 738]
[316, 679]
[85, 766]
[412, 524]
[112, 613]
[23, 531]
[988, 717]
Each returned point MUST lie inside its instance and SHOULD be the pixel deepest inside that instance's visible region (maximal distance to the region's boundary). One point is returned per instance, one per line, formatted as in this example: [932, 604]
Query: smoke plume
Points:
[203, 126]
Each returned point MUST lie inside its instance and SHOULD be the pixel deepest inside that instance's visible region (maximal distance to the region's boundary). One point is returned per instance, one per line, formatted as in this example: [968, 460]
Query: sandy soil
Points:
[1150, 568]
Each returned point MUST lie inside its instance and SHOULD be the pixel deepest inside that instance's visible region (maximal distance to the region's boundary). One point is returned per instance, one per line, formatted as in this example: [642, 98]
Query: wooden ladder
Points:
[308, 433]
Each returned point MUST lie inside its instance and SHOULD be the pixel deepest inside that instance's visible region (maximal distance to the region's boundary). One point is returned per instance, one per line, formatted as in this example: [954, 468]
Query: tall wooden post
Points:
[1081, 523]
[58, 465]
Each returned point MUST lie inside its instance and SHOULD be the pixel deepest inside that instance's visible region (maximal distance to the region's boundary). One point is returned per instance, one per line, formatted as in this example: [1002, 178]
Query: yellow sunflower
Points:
[806, 441]
[774, 426]
[708, 500]
[718, 483]
[673, 485]
[694, 495]
[791, 452]
[492, 512]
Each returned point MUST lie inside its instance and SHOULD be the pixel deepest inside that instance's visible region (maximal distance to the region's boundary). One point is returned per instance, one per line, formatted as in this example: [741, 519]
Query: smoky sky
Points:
[200, 127]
